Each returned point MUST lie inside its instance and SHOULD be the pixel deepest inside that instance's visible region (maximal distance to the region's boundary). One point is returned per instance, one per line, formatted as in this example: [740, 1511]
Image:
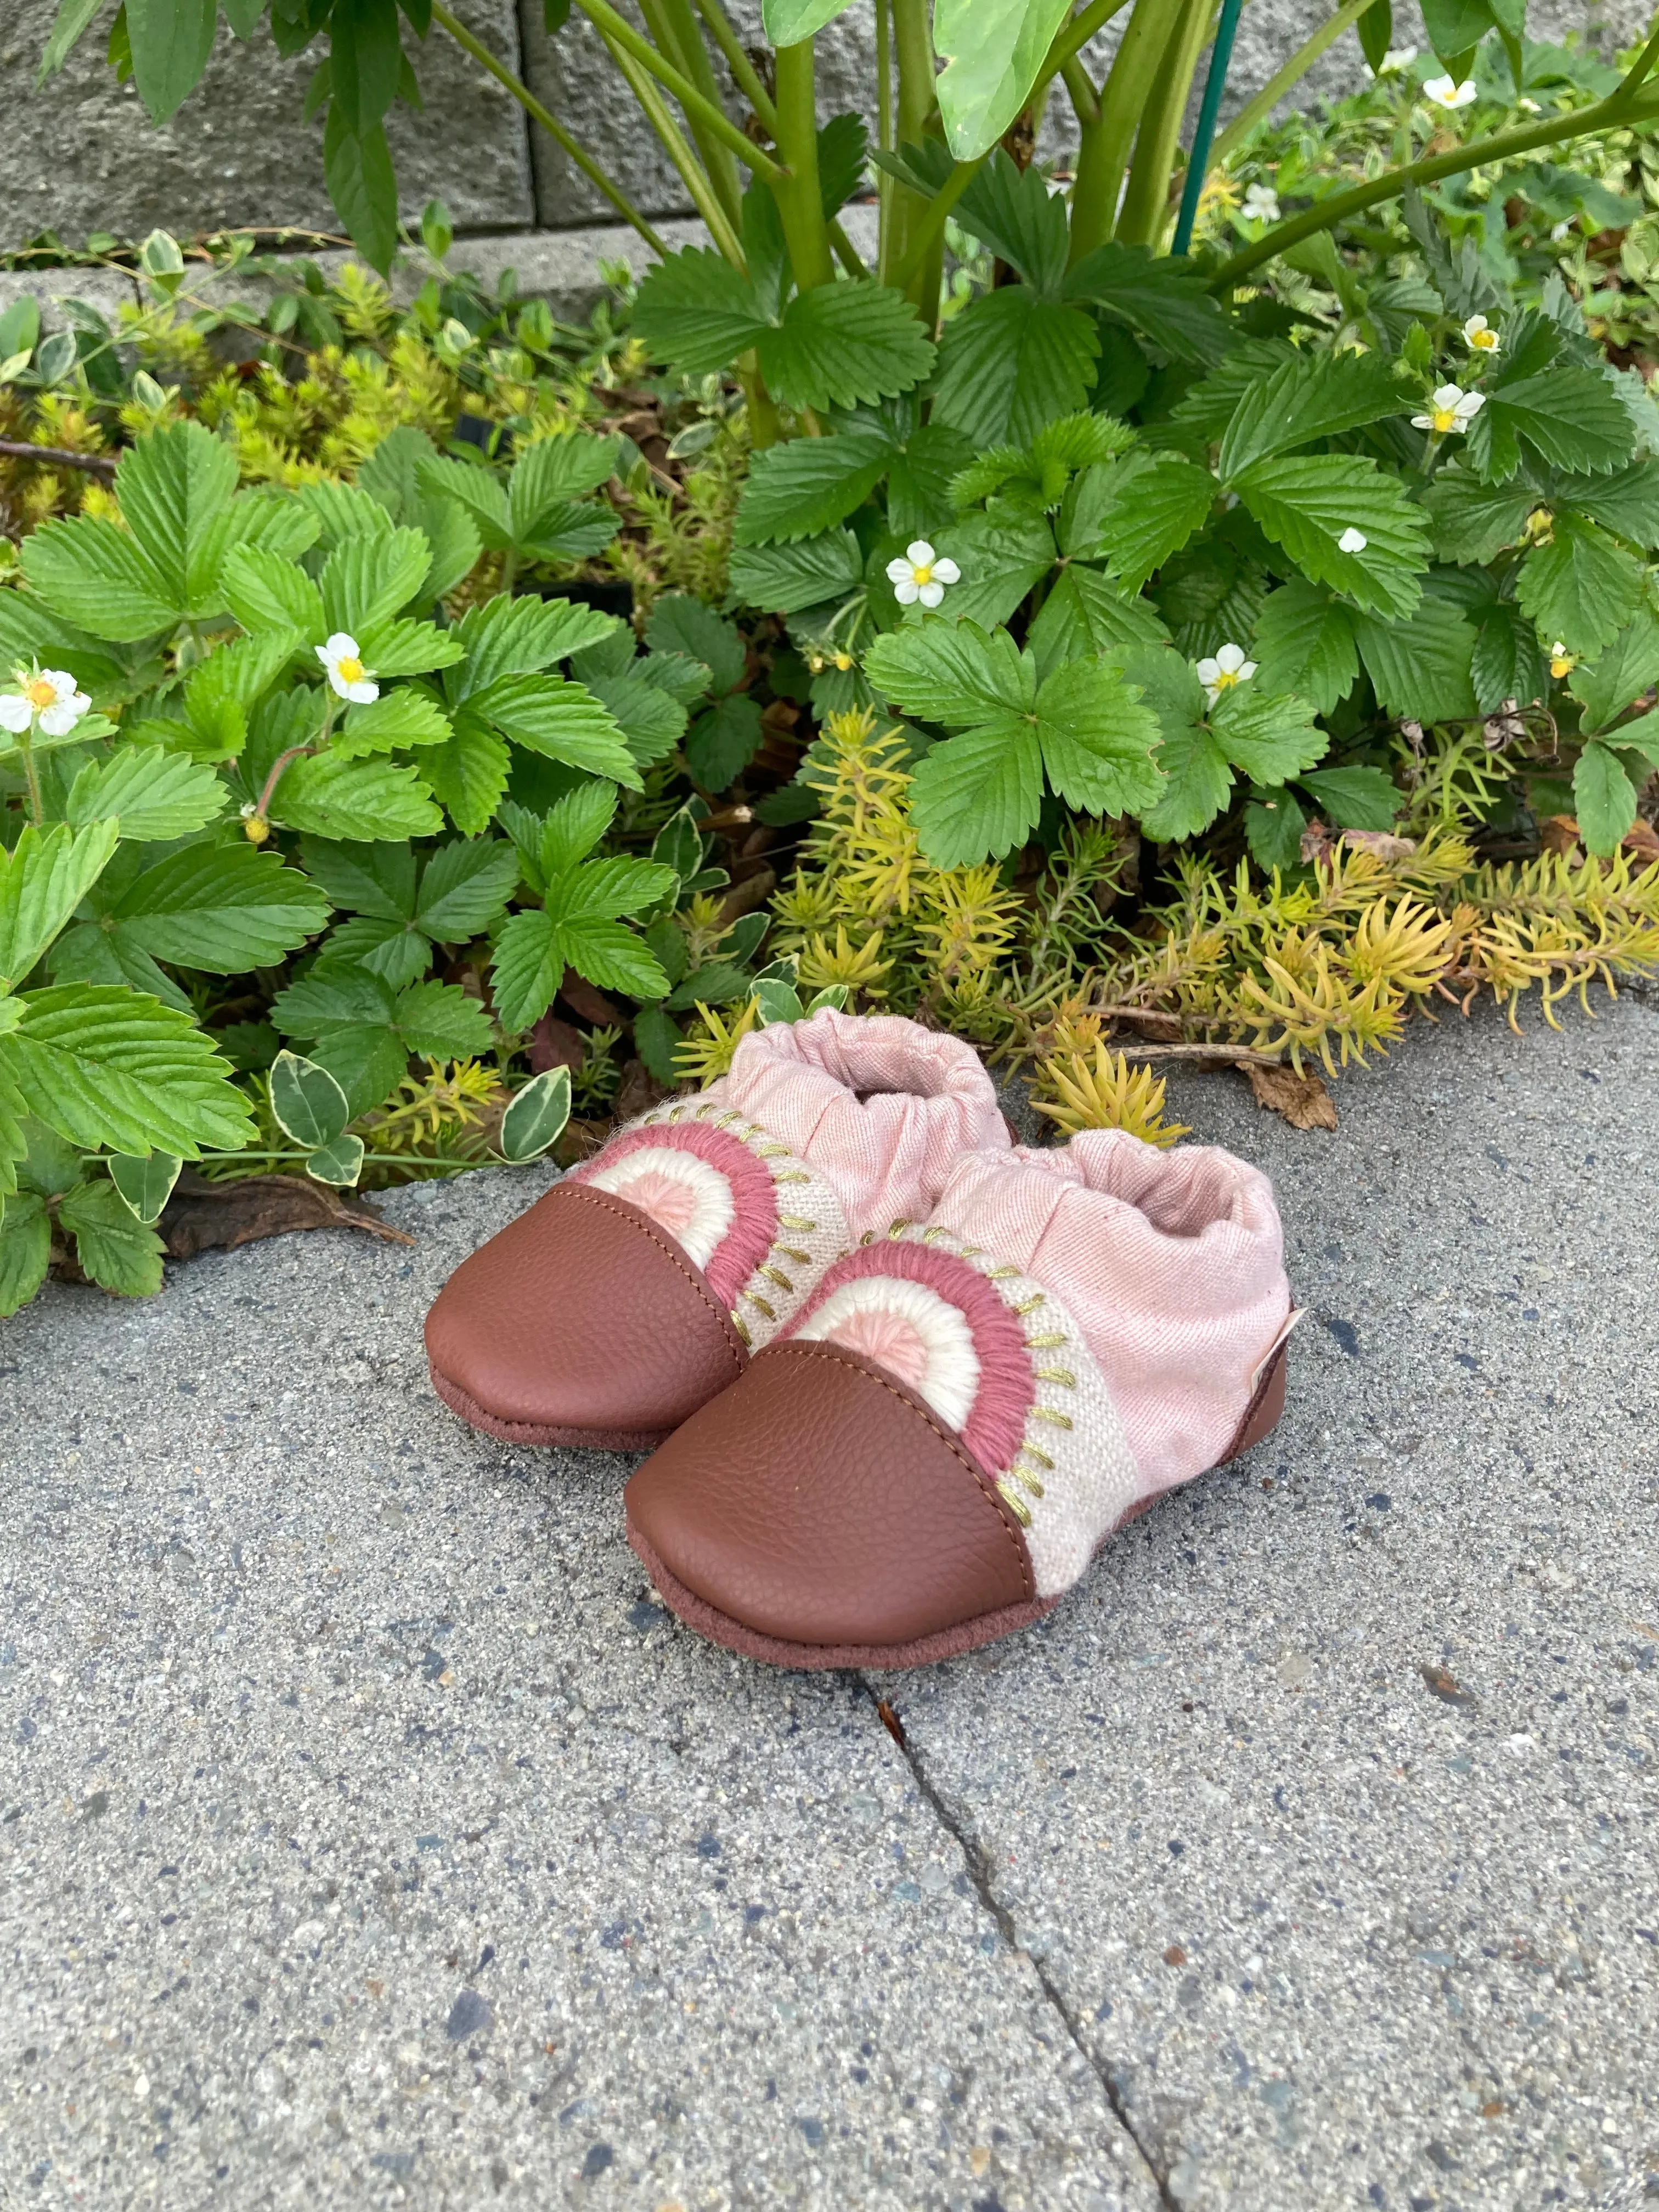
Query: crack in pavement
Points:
[979, 1873]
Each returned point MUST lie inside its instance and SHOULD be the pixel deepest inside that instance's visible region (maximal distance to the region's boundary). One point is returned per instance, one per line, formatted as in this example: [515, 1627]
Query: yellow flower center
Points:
[1225, 678]
[256, 829]
[349, 669]
[844, 661]
[1484, 341]
[1563, 664]
[40, 694]
[1444, 419]
[922, 575]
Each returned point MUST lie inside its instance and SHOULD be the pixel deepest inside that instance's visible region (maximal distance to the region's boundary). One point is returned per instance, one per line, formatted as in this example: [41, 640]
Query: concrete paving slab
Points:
[1329, 1805]
[368, 1837]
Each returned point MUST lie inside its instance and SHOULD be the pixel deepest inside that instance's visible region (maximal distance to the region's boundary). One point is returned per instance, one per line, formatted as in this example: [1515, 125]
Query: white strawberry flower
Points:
[1397, 58]
[1221, 671]
[919, 574]
[45, 695]
[1352, 541]
[1480, 336]
[1451, 409]
[1451, 97]
[348, 677]
[1260, 204]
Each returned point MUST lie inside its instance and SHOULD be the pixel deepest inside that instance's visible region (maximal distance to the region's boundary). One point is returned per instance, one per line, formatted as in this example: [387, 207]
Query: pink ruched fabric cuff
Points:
[883, 1108]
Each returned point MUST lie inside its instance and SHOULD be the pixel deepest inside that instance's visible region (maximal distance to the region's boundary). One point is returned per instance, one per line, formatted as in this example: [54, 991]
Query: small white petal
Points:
[1557, 651]
[15, 712]
[361, 694]
[1352, 541]
[58, 721]
[1213, 692]
[906, 592]
[947, 571]
[931, 594]
[1230, 660]
[1246, 670]
[1470, 404]
[338, 648]
[1207, 669]
[922, 553]
[1422, 421]
[898, 570]
[1448, 395]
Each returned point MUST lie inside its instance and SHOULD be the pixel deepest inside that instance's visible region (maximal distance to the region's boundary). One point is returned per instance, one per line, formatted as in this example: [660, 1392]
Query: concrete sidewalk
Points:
[370, 1837]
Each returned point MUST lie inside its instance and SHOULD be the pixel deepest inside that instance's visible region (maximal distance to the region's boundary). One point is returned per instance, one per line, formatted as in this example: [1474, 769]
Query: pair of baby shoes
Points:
[902, 1377]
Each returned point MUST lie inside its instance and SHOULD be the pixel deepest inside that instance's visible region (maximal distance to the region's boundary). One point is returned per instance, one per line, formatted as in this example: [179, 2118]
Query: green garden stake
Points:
[1221, 54]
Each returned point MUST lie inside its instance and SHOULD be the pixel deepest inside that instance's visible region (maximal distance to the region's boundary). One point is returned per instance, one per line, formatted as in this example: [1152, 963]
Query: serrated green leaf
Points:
[308, 1104]
[388, 724]
[721, 743]
[561, 720]
[359, 801]
[784, 579]
[651, 719]
[174, 486]
[1604, 798]
[1097, 739]
[1273, 829]
[1420, 667]
[151, 793]
[1581, 587]
[1001, 557]
[680, 624]
[1154, 502]
[1472, 521]
[477, 488]
[954, 673]
[116, 1249]
[1270, 739]
[43, 879]
[1088, 613]
[1305, 643]
[25, 1251]
[844, 345]
[520, 637]
[693, 308]
[1572, 416]
[1314, 396]
[1626, 503]
[468, 775]
[221, 908]
[1620, 676]
[1166, 299]
[464, 886]
[806, 487]
[439, 1021]
[1198, 781]
[528, 966]
[1307, 501]
[1507, 662]
[266, 593]
[406, 647]
[537, 1117]
[1014, 215]
[1354, 797]
[109, 1069]
[99, 578]
[1010, 362]
[977, 795]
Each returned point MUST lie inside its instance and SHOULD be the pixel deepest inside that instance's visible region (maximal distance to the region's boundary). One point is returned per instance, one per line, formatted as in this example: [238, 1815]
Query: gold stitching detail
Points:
[868, 1238]
[932, 1235]
[1030, 1305]
[1015, 1503]
[1029, 1483]
[771, 1151]
[998, 1274]
[1057, 1374]
[794, 1175]
[742, 1328]
[1041, 1458]
[705, 1109]
[899, 1228]
[804, 1258]
[769, 1312]
[1044, 1343]
[676, 1113]
[971, 1251]
[1048, 1413]
[796, 1221]
[776, 1275]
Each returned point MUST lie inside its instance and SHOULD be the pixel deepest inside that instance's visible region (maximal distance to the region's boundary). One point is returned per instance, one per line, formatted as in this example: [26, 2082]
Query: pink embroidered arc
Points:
[996, 1429]
[755, 1219]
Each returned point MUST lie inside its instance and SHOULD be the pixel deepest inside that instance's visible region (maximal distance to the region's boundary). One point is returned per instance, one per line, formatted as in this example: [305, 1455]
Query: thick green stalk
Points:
[797, 193]
[555, 130]
[884, 132]
[1105, 148]
[1085, 101]
[929, 231]
[742, 69]
[1146, 196]
[692, 175]
[913, 49]
[674, 27]
[1070, 38]
[621, 37]
[1618, 109]
[1292, 73]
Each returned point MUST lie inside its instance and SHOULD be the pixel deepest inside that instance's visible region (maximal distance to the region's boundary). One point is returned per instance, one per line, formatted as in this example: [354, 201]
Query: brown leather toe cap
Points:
[581, 1317]
[818, 1502]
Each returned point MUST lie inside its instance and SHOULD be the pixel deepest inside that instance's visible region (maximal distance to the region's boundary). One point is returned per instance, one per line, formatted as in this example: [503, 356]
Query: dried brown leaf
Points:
[1303, 1100]
[204, 1216]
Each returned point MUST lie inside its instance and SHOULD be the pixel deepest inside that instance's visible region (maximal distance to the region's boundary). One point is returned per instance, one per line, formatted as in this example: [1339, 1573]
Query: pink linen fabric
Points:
[882, 1107]
[1171, 1264]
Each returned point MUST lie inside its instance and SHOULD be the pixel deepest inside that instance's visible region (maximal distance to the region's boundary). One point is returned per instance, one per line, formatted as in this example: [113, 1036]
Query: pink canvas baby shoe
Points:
[638, 1287]
[931, 1450]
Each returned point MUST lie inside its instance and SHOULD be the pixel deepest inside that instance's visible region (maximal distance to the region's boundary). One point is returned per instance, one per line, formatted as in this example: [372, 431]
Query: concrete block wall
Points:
[83, 157]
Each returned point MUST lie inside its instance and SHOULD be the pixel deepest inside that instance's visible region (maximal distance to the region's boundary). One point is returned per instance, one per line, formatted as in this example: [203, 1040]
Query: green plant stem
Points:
[913, 51]
[1606, 114]
[1292, 73]
[672, 28]
[742, 69]
[549, 123]
[370, 1159]
[1105, 146]
[1145, 198]
[799, 202]
[691, 172]
[884, 132]
[31, 775]
[618, 32]
[1085, 101]
[931, 228]
[846, 253]
[765, 427]
[1070, 38]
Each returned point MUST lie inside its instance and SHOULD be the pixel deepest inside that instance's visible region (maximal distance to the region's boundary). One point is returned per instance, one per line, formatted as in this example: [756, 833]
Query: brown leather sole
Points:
[922, 1650]
[530, 1432]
